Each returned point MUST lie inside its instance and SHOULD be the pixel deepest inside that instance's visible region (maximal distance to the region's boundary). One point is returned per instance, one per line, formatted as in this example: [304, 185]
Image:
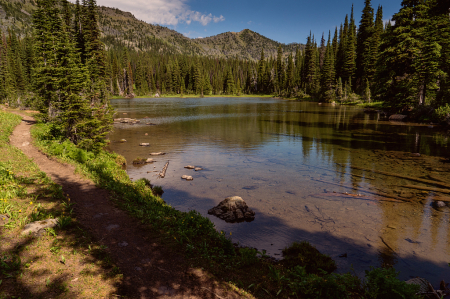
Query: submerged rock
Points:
[157, 154]
[233, 209]
[198, 168]
[440, 204]
[398, 117]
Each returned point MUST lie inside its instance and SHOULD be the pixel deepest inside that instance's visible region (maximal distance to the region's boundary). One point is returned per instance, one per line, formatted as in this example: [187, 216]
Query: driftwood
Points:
[337, 171]
[400, 176]
[426, 188]
[162, 174]
[386, 197]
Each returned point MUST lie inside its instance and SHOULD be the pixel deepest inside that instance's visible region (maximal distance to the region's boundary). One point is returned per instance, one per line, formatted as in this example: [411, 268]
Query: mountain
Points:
[122, 28]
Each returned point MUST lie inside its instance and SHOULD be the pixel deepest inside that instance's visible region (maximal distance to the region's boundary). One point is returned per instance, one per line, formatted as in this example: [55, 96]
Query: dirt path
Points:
[149, 270]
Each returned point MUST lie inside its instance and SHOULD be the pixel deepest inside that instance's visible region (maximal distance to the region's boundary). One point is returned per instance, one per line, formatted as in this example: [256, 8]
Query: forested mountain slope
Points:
[121, 28]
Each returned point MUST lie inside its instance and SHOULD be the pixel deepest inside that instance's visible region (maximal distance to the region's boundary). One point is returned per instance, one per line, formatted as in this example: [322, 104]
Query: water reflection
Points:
[331, 175]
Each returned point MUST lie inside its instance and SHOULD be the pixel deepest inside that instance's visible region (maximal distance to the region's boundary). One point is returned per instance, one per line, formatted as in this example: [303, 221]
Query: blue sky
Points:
[285, 21]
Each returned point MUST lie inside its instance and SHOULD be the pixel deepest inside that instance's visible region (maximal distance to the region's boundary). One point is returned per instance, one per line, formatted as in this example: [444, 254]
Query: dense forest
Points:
[404, 63]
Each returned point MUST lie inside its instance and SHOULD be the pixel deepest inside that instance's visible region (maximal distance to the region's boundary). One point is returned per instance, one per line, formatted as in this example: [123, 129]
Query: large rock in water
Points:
[233, 209]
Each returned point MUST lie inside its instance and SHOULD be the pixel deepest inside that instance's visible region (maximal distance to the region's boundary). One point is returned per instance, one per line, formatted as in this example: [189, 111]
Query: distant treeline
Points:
[405, 63]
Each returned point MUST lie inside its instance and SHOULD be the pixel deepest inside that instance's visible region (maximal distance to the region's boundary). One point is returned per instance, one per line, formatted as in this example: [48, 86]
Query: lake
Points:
[349, 182]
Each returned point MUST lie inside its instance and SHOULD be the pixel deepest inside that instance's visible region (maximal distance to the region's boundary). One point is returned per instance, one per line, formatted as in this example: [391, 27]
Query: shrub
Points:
[305, 255]
[382, 283]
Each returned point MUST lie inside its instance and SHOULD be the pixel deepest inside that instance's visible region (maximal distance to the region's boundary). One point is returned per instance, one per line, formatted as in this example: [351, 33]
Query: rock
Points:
[189, 167]
[184, 177]
[122, 140]
[123, 244]
[398, 117]
[138, 161]
[37, 227]
[157, 154]
[440, 204]
[26, 143]
[149, 160]
[144, 144]
[422, 282]
[189, 178]
[112, 226]
[146, 134]
[156, 95]
[198, 168]
[233, 209]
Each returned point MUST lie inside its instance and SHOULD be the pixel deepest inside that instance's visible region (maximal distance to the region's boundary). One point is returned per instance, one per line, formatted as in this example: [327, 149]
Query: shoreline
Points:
[135, 197]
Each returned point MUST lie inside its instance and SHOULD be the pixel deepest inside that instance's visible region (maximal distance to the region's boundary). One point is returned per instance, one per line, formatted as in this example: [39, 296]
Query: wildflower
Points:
[230, 233]
[20, 211]
[31, 202]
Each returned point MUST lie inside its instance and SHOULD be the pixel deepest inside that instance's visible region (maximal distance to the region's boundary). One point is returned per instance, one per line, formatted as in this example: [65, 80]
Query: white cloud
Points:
[249, 22]
[164, 12]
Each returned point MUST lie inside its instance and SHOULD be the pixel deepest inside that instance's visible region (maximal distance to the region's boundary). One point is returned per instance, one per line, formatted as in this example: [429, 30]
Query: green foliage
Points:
[305, 255]
[382, 283]
[443, 113]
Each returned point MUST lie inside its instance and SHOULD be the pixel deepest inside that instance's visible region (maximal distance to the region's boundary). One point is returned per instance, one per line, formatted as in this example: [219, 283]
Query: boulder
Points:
[233, 209]
[36, 228]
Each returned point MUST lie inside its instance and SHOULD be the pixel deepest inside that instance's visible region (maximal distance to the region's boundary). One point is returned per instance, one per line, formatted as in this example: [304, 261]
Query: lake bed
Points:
[330, 175]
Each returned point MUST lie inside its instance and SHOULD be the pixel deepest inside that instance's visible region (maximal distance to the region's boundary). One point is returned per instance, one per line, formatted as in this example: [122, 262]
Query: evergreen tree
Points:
[363, 48]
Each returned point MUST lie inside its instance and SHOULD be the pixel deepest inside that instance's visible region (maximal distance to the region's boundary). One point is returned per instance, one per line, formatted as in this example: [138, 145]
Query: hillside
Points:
[122, 28]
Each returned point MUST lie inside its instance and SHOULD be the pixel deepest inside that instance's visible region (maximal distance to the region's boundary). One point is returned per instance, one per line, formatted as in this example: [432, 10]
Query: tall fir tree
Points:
[363, 47]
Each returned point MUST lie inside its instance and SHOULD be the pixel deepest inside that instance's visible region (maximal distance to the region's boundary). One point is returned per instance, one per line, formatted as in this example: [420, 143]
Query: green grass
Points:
[28, 195]
[245, 269]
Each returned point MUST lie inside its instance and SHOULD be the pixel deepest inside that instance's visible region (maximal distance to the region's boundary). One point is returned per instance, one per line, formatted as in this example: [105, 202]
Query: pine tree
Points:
[363, 48]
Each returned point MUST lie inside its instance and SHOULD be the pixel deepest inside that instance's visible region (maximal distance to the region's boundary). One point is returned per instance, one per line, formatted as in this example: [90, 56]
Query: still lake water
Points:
[293, 162]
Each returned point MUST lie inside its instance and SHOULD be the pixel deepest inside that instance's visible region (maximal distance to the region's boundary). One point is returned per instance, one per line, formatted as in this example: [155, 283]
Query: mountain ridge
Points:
[121, 28]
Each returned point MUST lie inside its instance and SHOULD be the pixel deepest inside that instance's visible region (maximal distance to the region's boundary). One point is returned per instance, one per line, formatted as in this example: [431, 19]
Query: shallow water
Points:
[293, 162]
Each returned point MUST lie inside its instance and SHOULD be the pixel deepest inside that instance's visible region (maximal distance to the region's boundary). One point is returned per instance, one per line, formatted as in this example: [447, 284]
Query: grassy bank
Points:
[64, 262]
[304, 273]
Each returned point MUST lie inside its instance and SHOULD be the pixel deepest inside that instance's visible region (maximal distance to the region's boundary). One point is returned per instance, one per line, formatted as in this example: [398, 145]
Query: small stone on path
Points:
[37, 227]
[123, 244]
[112, 226]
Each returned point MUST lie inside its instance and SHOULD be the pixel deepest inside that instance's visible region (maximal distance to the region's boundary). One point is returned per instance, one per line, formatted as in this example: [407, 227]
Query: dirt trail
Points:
[149, 270]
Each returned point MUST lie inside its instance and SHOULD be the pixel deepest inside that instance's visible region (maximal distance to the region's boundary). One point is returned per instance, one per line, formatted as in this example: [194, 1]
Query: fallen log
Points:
[356, 196]
[399, 176]
[162, 174]
[399, 199]
[423, 188]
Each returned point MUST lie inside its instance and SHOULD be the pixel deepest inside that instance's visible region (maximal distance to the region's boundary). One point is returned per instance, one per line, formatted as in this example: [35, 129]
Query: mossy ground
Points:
[63, 263]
